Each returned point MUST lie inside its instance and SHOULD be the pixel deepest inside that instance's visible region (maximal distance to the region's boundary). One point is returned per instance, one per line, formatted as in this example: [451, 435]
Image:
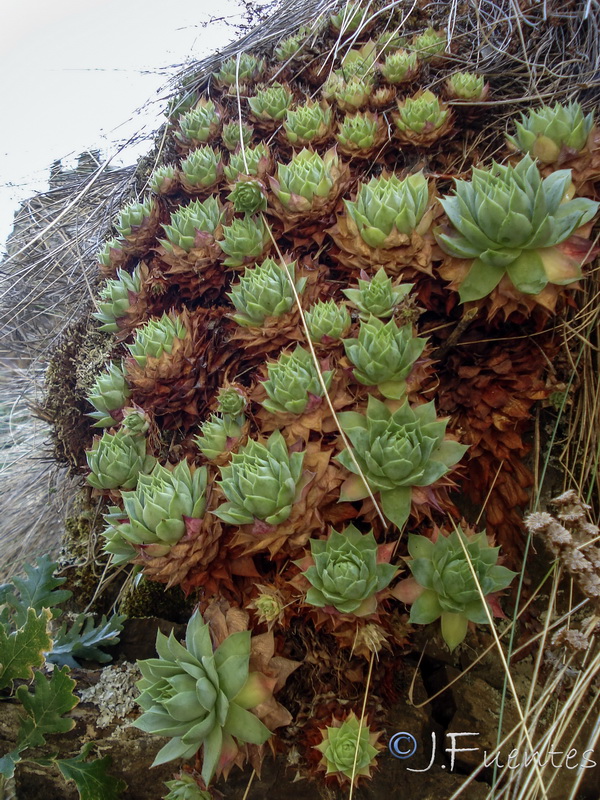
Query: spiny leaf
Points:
[24, 648]
[84, 640]
[52, 697]
[38, 590]
[91, 778]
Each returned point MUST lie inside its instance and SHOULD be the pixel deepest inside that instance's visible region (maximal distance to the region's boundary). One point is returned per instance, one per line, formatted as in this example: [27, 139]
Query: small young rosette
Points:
[200, 124]
[422, 119]
[241, 69]
[396, 451]
[253, 161]
[349, 18]
[360, 134]
[201, 170]
[349, 749]
[248, 195]
[377, 296]
[327, 321]
[293, 385]
[383, 355]
[156, 337]
[400, 67]
[235, 135]
[218, 436]
[245, 240]
[185, 788]
[116, 460]
[115, 299]
[164, 180]
[109, 395]
[510, 221]
[193, 228]
[133, 216]
[162, 508]
[263, 292]
[347, 572]
[429, 45]
[309, 124]
[198, 696]
[552, 133]
[451, 577]
[466, 86]
[271, 104]
[262, 482]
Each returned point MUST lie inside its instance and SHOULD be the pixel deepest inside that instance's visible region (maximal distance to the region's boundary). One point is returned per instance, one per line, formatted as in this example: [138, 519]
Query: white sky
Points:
[74, 71]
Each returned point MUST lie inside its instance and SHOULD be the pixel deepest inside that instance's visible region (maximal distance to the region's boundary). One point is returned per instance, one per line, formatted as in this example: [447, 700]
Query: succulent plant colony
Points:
[277, 412]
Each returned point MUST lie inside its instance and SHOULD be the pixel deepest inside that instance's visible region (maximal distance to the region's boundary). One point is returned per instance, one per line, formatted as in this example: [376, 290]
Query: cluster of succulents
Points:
[275, 410]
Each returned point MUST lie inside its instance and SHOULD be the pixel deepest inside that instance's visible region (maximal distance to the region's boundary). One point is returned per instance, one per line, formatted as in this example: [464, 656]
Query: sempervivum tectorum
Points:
[201, 171]
[399, 453]
[192, 235]
[377, 296]
[309, 124]
[111, 257]
[242, 69]
[327, 322]
[253, 161]
[387, 225]
[349, 95]
[109, 395]
[552, 134]
[422, 119]
[248, 195]
[235, 135]
[162, 370]
[308, 188]
[269, 106]
[199, 125]
[349, 19]
[165, 524]
[400, 67]
[137, 224]
[245, 241]
[164, 180]
[118, 306]
[221, 435]
[383, 355]
[349, 749]
[430, 46]
[116, 460]
[467, 86]
[452, 575]
[361, 135]
[513, 233]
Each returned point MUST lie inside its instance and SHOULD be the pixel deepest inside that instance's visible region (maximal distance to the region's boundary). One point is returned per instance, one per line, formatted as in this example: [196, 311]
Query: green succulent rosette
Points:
[350, 95]
[156, 337]
[235, 136]
[327, 321]
[108, 394]
[449, 588]
[185, 788]
[358, 132]
[160, 508]
[421, 114]
[309, 123]
[200, 124]
[377, 296]
[248, 196]
[307, 179]
[121, 551]
[115, 299]
[264, 291]
[400, 67]
[293, 383]
[386, 207]
[429, 44]
[396, 451]
[251, 161]
[346, 573]
[135, 421]
[244, 240]
[548, 132]
[133, 215]
[192, 225]
[509, 220]
[290, 47]
[250, 69]
[389, 41]
[199, 697]
[271, 104]
[466, 86]
[218, 435]
[261, 482]
[108, 251]
[349, 18]
[348, 749]
[164, 180]
[117, 460]
[231, 402]
[202, 168]
[383, 355]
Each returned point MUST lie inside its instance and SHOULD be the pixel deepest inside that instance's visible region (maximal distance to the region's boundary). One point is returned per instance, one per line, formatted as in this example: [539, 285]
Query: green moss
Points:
[151, 599]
